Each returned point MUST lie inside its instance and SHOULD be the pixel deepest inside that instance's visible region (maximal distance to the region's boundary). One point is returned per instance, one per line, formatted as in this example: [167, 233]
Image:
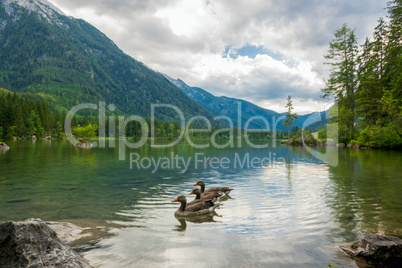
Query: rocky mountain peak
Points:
[43, 7]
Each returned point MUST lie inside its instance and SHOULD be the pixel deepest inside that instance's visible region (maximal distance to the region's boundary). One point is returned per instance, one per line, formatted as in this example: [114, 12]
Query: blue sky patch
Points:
[252, 51]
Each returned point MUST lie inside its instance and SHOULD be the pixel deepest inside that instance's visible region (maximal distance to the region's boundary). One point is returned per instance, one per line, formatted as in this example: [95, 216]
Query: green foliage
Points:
[392, 109]
[11, 132]
[24, 116]
[369, 87]
[1, 132]
[85, 132]
[322, 134]
[354, 143]
[380, 137]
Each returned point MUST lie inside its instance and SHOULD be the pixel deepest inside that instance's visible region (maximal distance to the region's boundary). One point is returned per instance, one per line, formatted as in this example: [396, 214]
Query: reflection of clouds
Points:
[271, 220]
[276, 207]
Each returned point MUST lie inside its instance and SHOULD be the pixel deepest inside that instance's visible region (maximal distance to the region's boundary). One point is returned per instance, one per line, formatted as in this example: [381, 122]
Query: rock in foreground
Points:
[378, 250]
[33, 243]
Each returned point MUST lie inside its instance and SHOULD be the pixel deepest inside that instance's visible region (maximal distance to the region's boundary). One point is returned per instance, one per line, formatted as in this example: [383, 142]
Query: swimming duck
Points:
[225, 190]
[211, 196]
[199, 208]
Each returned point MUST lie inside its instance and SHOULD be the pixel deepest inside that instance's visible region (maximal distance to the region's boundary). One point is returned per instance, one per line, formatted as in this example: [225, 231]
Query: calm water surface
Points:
[289, 212]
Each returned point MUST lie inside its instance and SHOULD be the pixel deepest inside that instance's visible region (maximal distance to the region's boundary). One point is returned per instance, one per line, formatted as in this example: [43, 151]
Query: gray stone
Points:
[340, 145]
[4, 147]
[83, 145]
[378, 250]
[67, 232]
[32, 243]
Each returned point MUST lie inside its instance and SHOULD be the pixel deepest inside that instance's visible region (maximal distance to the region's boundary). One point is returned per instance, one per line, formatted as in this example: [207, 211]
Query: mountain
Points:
[225, 106]
[68, 62]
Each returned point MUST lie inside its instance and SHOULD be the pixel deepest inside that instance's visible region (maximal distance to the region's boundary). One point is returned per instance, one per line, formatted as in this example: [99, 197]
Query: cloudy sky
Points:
[257, 50]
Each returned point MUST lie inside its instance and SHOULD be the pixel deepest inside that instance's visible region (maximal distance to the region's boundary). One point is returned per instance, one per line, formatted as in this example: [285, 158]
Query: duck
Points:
[211, 196]
[225, 190]
[196, 209]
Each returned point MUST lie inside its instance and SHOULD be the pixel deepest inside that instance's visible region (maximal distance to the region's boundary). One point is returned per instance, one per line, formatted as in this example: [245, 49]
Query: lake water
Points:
[292, 210]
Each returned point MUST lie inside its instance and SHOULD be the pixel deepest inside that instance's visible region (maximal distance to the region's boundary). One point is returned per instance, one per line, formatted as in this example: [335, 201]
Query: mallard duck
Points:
[225, 190]
[196, 209]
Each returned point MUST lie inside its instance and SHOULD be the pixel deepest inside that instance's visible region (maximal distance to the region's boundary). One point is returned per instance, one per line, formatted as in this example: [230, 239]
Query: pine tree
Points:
[392, 98]
[290, 116]
[371, 76]
[342, 84]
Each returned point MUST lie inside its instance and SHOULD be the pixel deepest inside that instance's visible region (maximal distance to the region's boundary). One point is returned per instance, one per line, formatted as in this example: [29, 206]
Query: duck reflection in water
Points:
[195, 219]
[197, 211]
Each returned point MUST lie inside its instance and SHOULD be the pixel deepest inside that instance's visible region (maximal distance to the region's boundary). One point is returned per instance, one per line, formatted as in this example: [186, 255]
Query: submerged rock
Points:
[67, 232]
[83, 145]
[32, 243]
[377, 250]
[4, 147]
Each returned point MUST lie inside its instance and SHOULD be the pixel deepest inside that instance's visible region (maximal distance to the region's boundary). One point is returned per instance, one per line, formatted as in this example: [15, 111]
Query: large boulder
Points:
[378, 250]
[32, 243]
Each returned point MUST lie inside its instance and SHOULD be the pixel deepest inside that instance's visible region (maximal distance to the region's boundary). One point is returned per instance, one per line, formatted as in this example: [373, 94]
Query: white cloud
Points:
[184, 18]
[187, 40]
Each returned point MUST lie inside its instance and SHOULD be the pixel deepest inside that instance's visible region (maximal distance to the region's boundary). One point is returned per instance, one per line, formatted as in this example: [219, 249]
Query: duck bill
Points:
[195, 183]
[192, 192]
[175, 200]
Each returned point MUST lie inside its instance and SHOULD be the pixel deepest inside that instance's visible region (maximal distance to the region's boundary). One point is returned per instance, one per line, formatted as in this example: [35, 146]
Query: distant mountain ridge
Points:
[225, 106]
[68, 62]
